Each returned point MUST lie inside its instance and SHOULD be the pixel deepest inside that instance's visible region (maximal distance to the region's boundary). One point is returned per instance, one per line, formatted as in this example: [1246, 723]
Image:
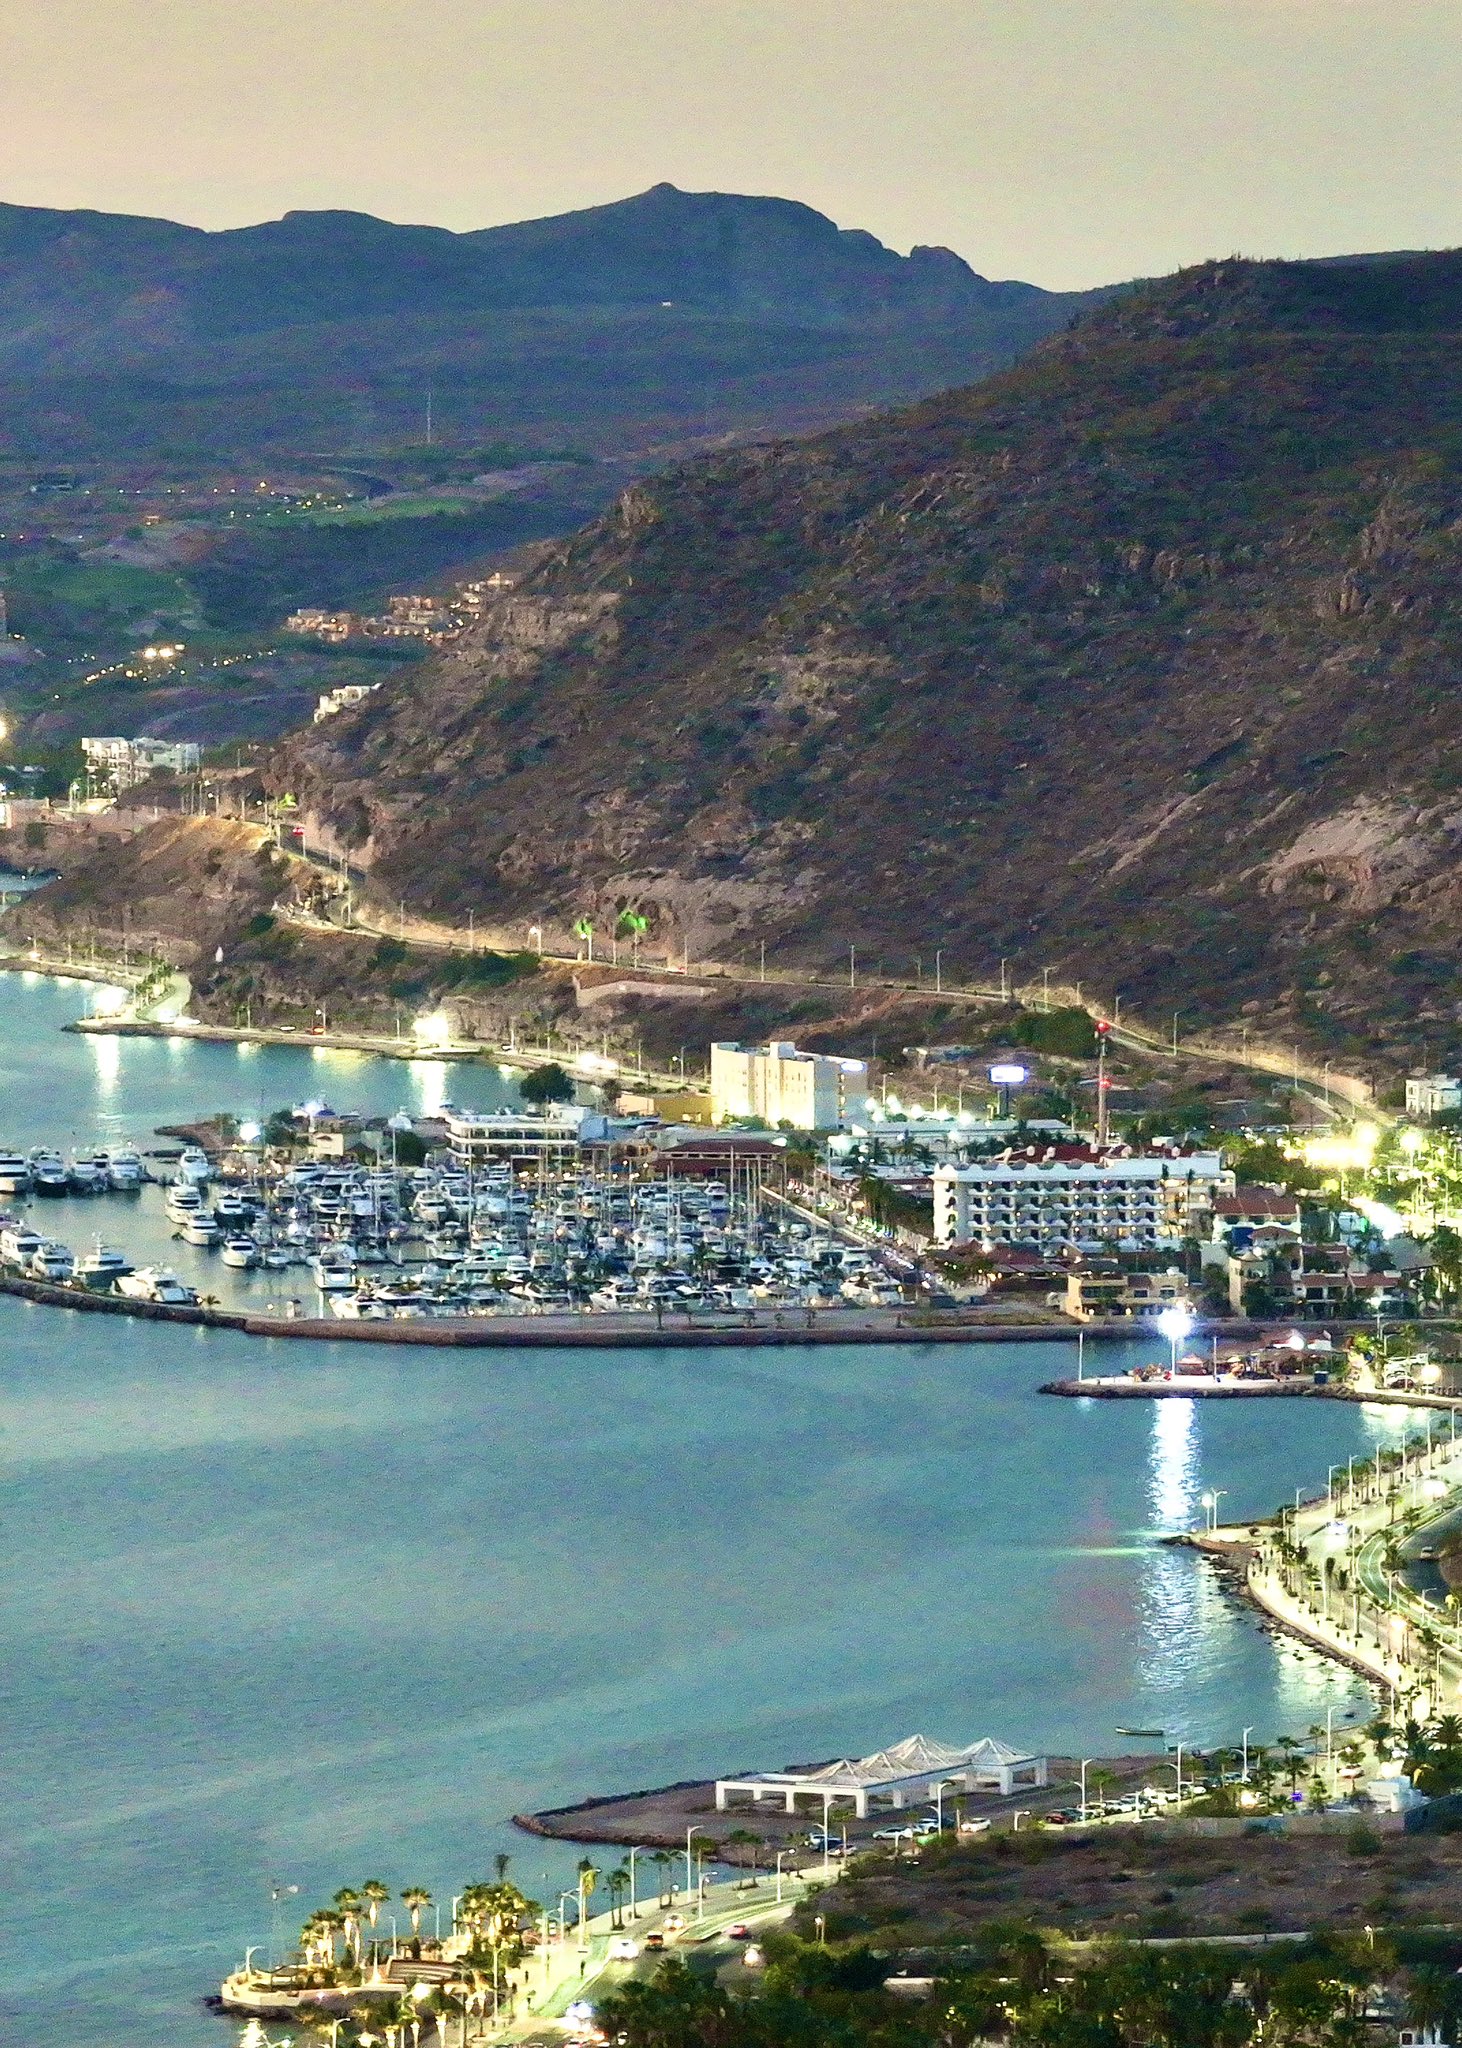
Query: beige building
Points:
[781, 1085]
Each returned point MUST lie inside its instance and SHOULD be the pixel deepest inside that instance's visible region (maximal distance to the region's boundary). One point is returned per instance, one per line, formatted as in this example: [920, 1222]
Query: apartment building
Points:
[125, 763]
[779, 1084]
[1074, 1197]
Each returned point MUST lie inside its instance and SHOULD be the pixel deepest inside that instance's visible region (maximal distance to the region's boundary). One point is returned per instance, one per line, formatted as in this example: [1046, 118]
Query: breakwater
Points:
[553, 1332]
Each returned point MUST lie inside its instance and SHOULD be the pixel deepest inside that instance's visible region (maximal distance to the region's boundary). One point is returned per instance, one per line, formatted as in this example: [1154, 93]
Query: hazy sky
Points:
[1065, 141]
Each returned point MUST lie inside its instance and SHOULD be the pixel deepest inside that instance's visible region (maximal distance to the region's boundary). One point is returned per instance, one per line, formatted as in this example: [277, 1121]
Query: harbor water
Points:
[295, 1614]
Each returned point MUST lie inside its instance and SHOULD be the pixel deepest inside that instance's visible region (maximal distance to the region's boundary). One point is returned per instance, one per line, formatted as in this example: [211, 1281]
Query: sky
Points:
[1070, 142]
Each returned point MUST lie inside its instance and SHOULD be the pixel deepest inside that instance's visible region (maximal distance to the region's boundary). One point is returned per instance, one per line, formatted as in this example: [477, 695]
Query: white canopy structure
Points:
[915, 1768]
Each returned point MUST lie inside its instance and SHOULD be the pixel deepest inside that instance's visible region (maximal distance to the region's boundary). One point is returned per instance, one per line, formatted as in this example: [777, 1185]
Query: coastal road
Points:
[566, 1973]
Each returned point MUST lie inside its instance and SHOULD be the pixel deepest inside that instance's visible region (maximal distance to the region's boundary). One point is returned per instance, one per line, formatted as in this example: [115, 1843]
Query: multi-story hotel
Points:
[1060, 1197]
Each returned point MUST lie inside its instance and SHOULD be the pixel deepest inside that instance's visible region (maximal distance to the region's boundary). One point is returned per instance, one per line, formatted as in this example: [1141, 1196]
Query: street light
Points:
[1245, 1740]
[1175, 1323]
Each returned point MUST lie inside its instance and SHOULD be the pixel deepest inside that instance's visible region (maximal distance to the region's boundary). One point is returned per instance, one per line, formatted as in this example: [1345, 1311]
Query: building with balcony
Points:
[513, 1138]
[1074, 1198]
[125, 763]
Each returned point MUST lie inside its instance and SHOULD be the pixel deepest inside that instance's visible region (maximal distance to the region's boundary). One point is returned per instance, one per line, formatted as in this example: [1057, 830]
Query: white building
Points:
[128, 762]
[781, 1085]
[1061, 1197]
[916, 1768]
[507, 1137]
[1430, 1094]
[338, 699]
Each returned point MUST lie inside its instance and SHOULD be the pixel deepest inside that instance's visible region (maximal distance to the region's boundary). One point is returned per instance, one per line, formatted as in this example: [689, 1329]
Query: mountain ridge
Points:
[1137, 661]
[625, 322]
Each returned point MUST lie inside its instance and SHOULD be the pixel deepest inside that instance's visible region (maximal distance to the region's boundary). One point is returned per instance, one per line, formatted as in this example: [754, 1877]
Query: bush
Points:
[546, 1084]
[1069, 1033]
[259, 925]
[1362, 1840]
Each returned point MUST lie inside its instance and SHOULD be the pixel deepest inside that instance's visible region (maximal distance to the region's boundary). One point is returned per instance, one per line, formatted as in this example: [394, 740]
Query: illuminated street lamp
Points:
[1175, 1323]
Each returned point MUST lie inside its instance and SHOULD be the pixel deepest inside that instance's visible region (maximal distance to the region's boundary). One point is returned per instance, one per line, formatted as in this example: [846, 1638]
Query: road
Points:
[565, 1972]
[1354, 1091]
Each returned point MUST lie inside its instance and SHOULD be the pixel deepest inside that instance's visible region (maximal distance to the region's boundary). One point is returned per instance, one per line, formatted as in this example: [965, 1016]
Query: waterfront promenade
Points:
[1327, 1571]
[570, 1963]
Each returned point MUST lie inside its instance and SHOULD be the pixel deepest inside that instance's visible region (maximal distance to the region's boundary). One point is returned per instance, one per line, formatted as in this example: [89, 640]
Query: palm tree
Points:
[500, 1864]
[347, 1904]
[416, 1899]
[662, 1860]
[375, 1895]
[617, 1884]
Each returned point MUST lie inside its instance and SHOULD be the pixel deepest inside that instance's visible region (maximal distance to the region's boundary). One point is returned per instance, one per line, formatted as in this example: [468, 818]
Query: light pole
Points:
[1175, 1323]
[938, 970]
[634, 1911]
[1084, 1762]
[1245, 1740]
[780, 1854]
[689, 1873]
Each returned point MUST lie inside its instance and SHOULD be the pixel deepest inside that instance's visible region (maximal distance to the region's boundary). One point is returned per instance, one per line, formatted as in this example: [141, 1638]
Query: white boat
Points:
[334, 1269]
[19, 1244]
[53, 1261]
[124, 1171]
[88, 1174]
[201, 1229]
[103, 1265]
[14, 1174]
[48, 1174]
[278, 1259]
[156, 1283]
[182, 1201]
[241, 1253]
[194, 1166]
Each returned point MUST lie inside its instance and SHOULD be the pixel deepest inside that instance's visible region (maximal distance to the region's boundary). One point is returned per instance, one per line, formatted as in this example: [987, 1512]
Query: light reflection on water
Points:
[312, 1610]
[1173, 1463]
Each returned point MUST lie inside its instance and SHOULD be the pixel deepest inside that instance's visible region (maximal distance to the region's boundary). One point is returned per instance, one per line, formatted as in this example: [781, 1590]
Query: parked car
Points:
[899, 1834]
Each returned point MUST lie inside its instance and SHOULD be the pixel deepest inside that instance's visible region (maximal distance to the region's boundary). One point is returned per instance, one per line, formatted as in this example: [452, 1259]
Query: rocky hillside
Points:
[656, 319]
[1139, 661]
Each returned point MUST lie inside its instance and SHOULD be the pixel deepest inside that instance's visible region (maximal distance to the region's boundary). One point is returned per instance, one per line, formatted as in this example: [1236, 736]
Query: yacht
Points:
[194, 1167]
[334, 1269]
[14, 1174]
[201, 1229]
[156, 1283]
[89, 1174]
[53, 1261]
[182, 1201]
[103, 1265]
[241, 1253]
[124, 1171]
[48, 1174]
[19, 1244]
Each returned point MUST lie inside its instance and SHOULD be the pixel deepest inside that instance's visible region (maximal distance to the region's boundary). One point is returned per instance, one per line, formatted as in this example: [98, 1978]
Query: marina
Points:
[298, 1608]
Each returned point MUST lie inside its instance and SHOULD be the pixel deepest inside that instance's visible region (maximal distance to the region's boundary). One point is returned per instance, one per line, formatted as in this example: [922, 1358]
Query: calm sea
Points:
[311, 1614]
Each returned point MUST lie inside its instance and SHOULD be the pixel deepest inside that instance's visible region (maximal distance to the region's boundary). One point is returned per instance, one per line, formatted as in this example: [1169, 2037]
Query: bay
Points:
[312, 1613]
